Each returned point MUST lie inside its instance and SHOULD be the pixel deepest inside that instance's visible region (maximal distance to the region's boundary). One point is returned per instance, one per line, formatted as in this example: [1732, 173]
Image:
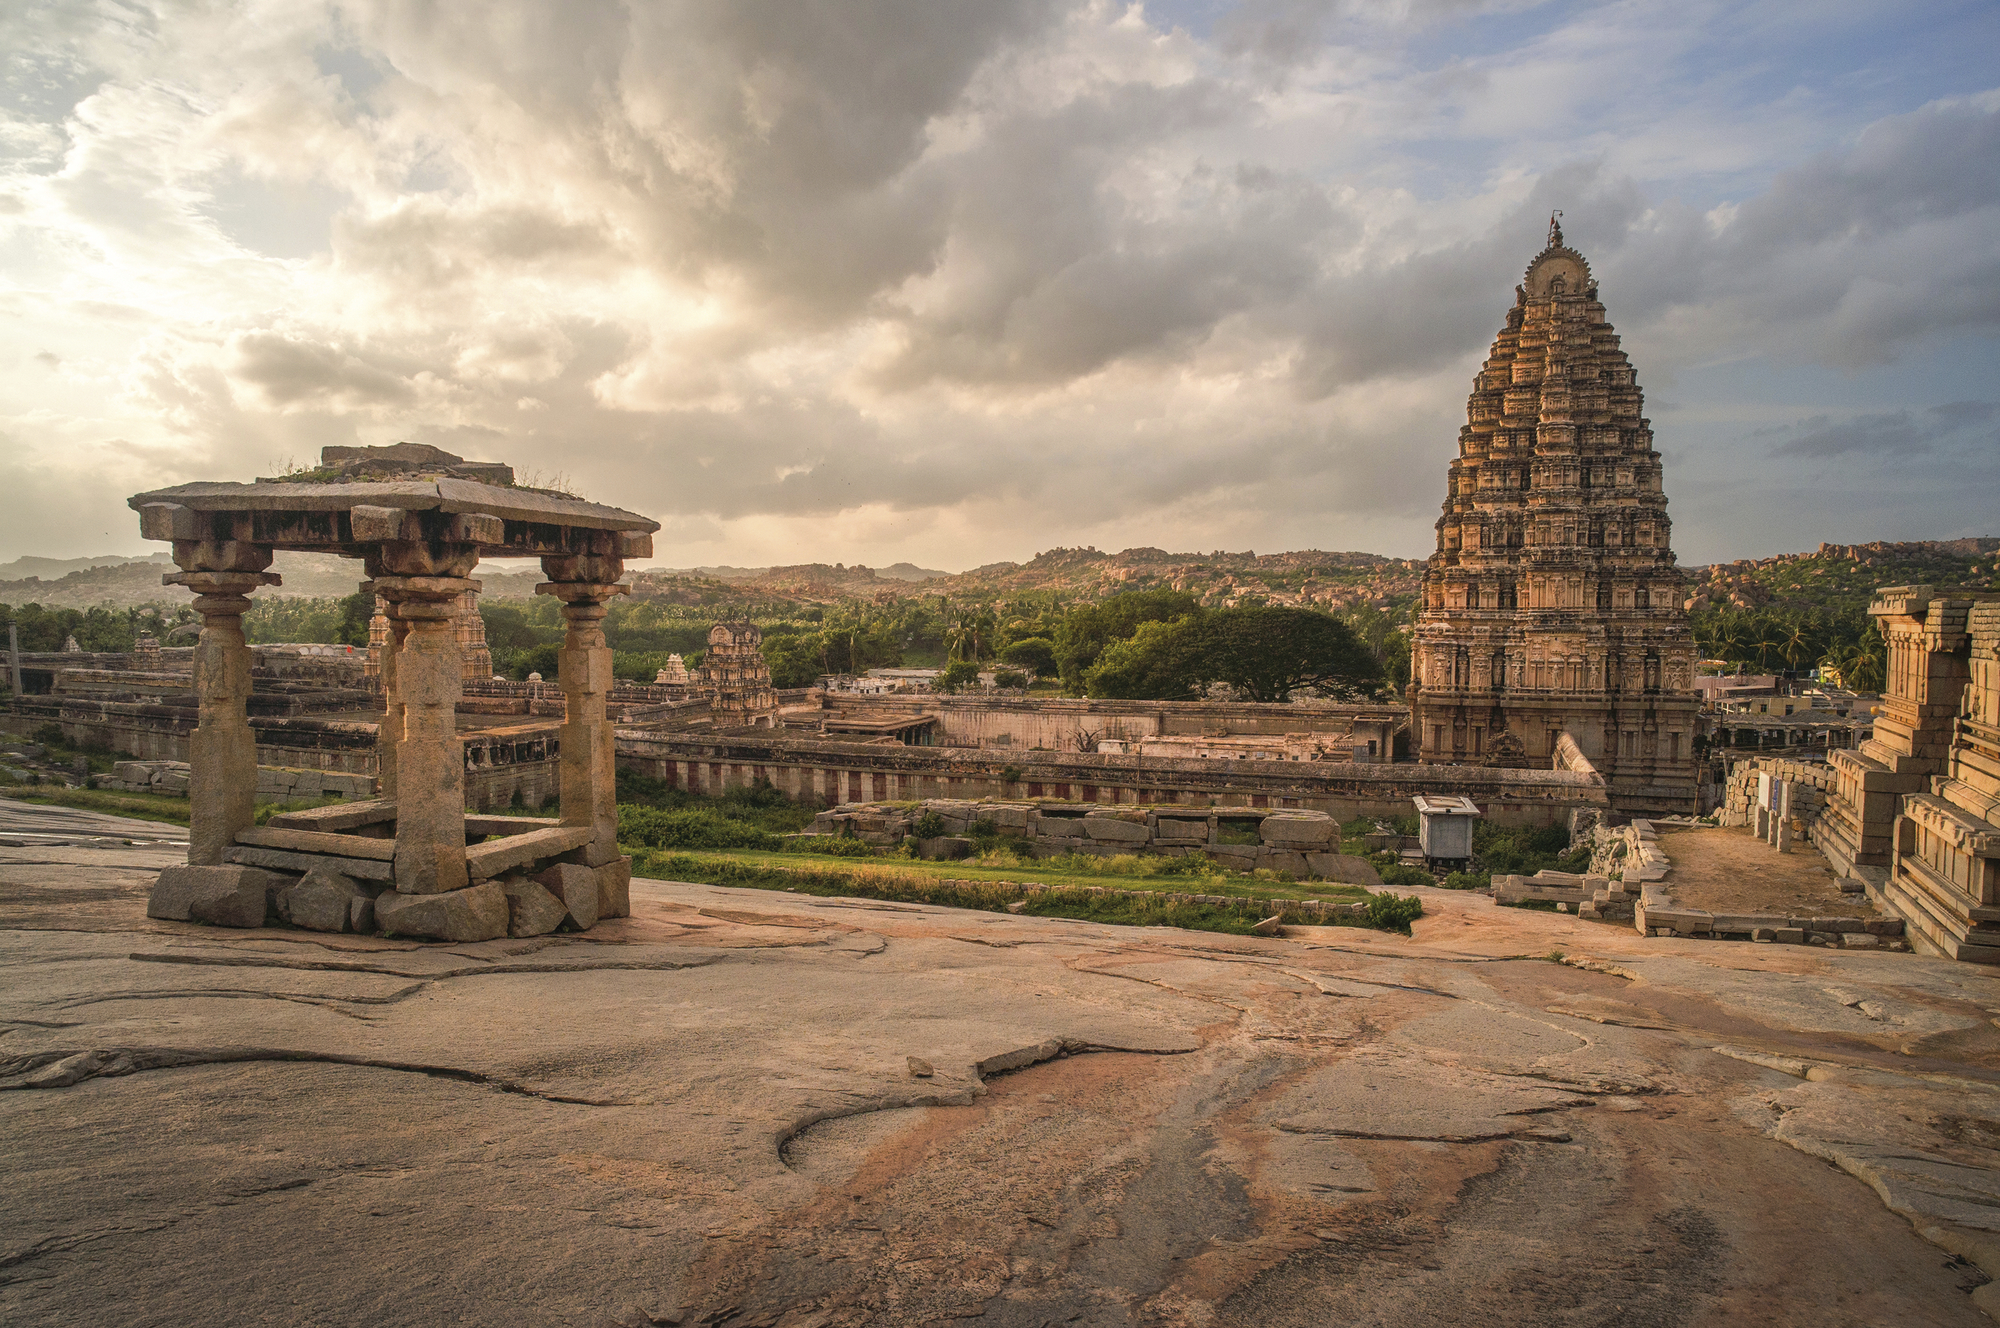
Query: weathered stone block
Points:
[944, 848]
[1345, 867]
[1055, 827]
[1233, 856]
[225, 896]
[1284, 860]
[476, 913]
[1299, 831]
[321, 900]
[1174, 829]
[531, 910]
[577, 888]
[614, 889]
[1114, 830]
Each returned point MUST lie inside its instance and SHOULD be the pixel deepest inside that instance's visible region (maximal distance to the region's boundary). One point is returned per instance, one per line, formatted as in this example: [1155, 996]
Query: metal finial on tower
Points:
[1555, 229]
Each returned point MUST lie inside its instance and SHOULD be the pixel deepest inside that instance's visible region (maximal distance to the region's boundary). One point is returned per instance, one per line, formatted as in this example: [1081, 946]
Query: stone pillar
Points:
[425, 754]
[588, 762]
[389, 735]
[222, 755]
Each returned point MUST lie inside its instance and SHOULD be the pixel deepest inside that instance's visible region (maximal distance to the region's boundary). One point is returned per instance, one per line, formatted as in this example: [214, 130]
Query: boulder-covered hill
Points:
[1307, 576]
[1841, 578]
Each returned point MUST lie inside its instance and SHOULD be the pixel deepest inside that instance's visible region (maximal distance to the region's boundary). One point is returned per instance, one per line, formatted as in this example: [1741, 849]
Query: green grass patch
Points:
[956, 885]
[1125, 872]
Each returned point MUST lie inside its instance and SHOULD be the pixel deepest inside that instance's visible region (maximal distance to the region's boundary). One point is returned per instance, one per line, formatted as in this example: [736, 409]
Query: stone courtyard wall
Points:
[825, 773]
[1053, 723]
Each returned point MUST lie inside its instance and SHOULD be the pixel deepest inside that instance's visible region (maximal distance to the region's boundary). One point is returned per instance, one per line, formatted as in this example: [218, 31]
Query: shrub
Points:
[651, 827]
[1397, 873]
[1394, 912]
[49, 735]
[1008, 678]
[834, 846]
[1011, 774]
[929, 826]
[1459, 880]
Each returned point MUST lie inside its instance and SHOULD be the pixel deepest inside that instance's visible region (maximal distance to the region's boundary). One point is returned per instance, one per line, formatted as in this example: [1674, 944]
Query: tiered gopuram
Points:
[1552, 605]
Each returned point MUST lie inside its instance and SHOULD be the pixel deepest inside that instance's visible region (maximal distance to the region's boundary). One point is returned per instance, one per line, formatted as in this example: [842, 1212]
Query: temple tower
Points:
[739, 679]
[1552, 604]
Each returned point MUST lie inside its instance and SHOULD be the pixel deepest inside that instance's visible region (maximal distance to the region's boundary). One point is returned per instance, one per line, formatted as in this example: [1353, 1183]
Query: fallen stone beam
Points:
[315, 841]
[361, 869]
[487, 860]
[343, 816]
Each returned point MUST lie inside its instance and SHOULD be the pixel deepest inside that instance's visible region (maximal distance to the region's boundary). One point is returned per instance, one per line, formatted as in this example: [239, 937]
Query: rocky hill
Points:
[1842, 577]
[1836, 577]
[1308, 576]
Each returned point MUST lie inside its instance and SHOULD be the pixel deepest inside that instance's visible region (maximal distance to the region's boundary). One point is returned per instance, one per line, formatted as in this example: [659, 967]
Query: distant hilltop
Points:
[1832, 576]
[1842, 577]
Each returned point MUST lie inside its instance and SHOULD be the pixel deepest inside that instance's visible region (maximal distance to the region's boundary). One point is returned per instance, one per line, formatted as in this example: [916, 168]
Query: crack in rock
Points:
[1006, 1062]
[62, 1069]
[333, 1003]
[341, 966]
[60, 1244]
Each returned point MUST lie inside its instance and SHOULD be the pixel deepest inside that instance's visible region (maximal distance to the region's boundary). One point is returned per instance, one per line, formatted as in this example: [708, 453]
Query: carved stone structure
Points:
[475, 659]
[1915, 811]
[675, 674]
[1552, 604]
[412, 856]
[735, 672]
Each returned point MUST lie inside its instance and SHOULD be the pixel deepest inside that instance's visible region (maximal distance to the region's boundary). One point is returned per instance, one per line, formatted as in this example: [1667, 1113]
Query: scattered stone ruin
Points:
[1914, 813]
[1552, 605]
[1305, 844]
[411, 861]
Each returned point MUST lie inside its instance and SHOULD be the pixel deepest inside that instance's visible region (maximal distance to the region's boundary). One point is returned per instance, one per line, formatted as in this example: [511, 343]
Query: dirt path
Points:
[1732, 871]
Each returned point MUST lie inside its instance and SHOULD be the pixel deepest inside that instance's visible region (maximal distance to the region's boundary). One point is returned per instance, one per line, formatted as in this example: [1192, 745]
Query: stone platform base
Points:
[563, 895]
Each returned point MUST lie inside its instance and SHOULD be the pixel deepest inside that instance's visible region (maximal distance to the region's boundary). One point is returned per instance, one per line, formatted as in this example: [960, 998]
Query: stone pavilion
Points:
[1552, 605]
[412, 861]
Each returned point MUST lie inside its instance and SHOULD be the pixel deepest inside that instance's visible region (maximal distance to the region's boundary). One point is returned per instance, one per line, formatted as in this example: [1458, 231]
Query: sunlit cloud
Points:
[953, 282]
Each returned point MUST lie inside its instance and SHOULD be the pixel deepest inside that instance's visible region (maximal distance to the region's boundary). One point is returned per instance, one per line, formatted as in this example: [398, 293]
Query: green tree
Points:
[959, 675]
[1264, 652]
[1037, 654]
[1160, 661]
[1268, 652]
[1085, 632]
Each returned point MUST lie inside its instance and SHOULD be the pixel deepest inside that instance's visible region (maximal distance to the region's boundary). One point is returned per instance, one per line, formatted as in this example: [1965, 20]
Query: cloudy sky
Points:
[957, 280]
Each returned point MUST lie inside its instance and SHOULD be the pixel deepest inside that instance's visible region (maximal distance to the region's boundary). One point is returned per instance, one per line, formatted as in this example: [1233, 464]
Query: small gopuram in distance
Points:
[412, 861]
[1551, 629]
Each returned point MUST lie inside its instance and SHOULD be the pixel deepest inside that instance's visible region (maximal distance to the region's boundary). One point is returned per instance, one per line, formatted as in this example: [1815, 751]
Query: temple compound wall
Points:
[1915, 811]
[1552, 604]
[1065, 724]
[829, 773]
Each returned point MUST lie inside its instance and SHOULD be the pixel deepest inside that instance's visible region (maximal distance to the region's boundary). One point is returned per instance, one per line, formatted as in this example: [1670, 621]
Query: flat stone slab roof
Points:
[444, 495]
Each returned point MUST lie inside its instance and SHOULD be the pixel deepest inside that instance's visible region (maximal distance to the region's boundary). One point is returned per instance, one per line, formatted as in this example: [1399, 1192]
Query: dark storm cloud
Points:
[1891, 435]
